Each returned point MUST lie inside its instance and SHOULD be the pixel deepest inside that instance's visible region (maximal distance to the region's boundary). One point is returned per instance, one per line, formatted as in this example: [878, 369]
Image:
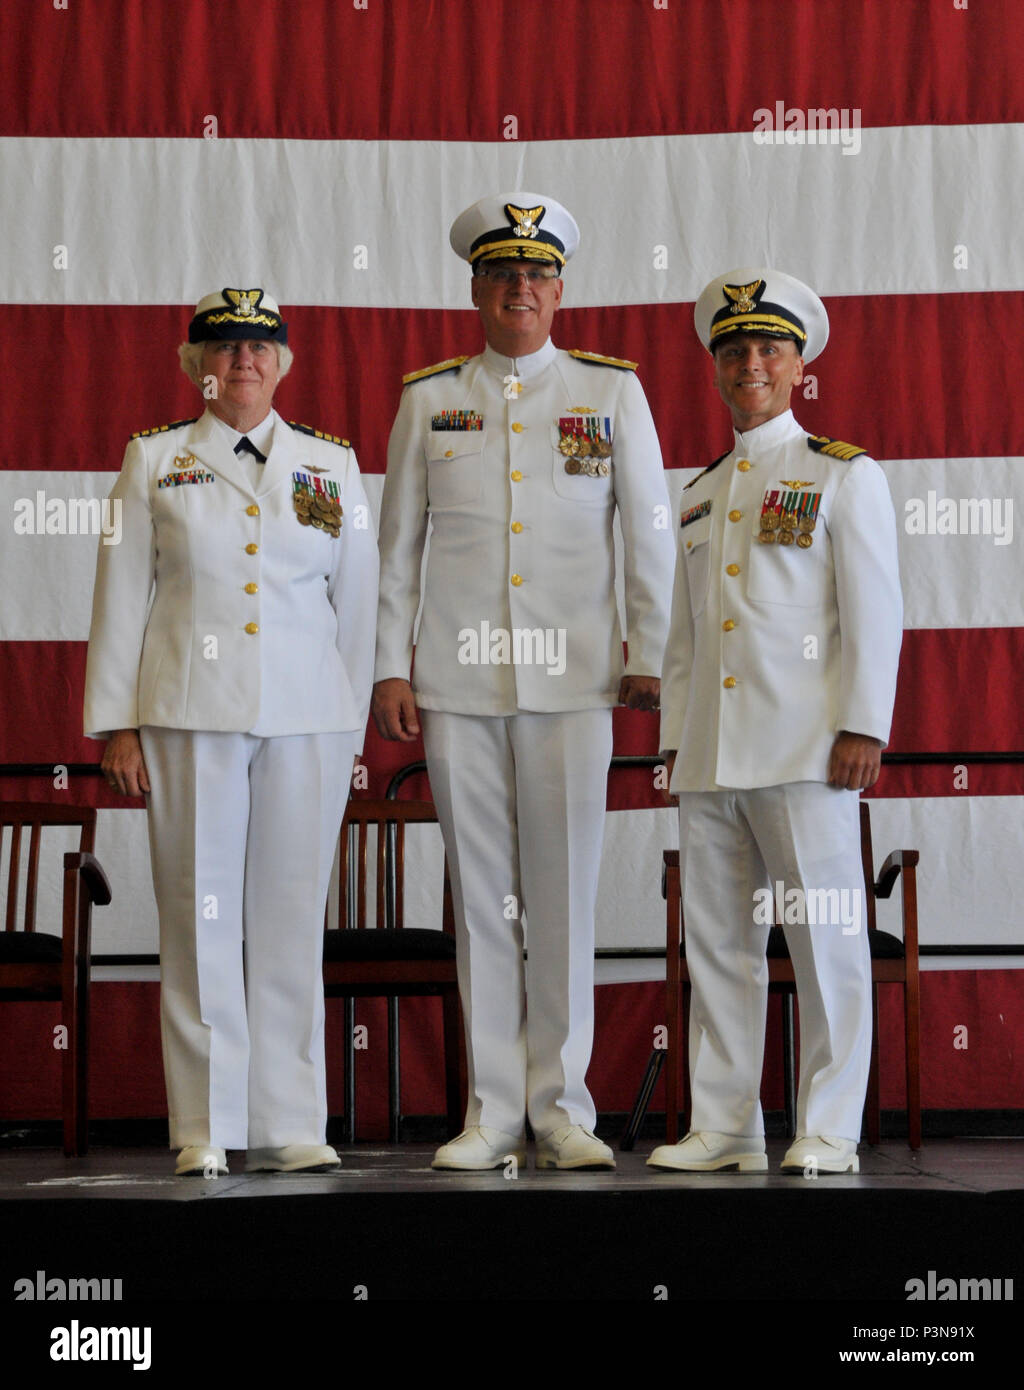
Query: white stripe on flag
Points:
[970, 876]
[47, 580]
[157, 221]
[949, 581]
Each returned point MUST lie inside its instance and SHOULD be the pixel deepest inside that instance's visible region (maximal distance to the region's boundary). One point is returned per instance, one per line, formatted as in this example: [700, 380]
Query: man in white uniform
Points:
[520, 458]
[230, 663]
[780, 676]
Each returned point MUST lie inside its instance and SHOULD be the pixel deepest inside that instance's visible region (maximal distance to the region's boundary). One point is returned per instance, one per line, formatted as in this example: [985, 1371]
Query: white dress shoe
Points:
[822, 1153]
[200, 1161]
[292, 1158]
[480, 1147]
[573, 1147]
[704, 1151]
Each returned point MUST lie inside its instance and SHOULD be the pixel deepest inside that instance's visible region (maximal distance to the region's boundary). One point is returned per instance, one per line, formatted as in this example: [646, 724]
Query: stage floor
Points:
[385, 1227]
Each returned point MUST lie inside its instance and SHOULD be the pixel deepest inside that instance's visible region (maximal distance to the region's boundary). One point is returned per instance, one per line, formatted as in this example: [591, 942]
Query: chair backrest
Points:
[867, 859]
[17, 816]
[389, 819]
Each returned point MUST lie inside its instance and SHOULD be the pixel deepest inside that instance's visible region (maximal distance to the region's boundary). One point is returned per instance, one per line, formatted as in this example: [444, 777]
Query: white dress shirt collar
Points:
[522, 367]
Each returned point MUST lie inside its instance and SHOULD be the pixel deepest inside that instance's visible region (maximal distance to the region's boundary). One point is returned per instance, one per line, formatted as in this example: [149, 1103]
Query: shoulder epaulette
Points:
[711, 466]
[162, 429]
[452, 365]
[596, 357]
[835, 448]
[319, 434]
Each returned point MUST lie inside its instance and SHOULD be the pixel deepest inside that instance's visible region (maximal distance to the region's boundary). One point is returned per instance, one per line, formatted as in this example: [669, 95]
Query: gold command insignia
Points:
[525, 220]
[742, 296]
[245, 301]
[185, 460]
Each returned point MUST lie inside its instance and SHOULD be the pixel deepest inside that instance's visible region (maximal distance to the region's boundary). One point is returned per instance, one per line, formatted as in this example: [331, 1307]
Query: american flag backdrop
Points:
[154, 150]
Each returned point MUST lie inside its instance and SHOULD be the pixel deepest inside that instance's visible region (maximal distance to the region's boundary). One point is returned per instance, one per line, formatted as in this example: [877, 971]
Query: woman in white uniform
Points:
[229, 670]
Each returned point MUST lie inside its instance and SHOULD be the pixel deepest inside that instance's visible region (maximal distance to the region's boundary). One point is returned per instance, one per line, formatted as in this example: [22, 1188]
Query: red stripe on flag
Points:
[323, 69]
[118, 372]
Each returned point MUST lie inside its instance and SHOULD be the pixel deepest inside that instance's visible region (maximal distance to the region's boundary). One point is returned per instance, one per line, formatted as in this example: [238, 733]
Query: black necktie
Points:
[246, 446]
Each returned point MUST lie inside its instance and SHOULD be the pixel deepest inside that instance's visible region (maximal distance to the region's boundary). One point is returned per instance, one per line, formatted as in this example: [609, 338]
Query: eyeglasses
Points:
[532, 276]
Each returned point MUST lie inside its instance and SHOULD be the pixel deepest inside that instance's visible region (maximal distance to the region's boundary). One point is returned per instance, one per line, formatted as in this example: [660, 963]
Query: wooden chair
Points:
[38, 966]
[383, 957]
[892, 961]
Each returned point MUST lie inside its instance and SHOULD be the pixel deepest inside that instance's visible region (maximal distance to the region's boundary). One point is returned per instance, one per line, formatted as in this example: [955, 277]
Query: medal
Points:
[586, 442]
[317, 503]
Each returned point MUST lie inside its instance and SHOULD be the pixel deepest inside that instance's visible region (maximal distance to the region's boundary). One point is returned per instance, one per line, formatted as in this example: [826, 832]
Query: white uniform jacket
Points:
[218, 610]
[772, 649]
[518, 543]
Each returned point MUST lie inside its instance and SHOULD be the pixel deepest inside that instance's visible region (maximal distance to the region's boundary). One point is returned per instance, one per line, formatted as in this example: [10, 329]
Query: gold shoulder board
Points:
[706, 471]
[162, 429]
[835, 448]
[452, 365]
[319, 434]
[619, 362]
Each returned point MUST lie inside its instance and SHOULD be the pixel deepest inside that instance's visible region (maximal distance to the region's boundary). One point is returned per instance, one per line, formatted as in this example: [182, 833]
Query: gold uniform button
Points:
[517, 427]
[728, 625]
[252, 588]
[517, 526]
[689, 545]
[252, 628]
[729, 682]
[252, 510]
[732, 569]
[251, 548]
[735, 516]
[449, 453]
[744, 465]
[517, 579]
[516, 476]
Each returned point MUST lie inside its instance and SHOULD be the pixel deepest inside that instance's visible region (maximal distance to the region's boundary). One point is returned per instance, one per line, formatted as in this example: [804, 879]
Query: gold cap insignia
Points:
[743, 296]
[245, 301]
[525, 221]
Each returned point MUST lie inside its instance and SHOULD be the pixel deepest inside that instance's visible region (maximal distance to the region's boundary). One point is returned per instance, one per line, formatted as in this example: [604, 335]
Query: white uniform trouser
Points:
[521, 801]
[805, 836]
[242, 833]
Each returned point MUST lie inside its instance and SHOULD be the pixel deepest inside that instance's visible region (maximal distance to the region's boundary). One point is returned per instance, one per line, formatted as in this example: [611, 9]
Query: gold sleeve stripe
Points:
[619, 362]
[835, 448]
[448, 366]
[319, 434]
[162, 429]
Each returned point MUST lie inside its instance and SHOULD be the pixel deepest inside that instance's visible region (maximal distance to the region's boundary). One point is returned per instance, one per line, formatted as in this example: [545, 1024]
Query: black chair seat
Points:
[29, 948]
[406, 943]
[883, 945]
